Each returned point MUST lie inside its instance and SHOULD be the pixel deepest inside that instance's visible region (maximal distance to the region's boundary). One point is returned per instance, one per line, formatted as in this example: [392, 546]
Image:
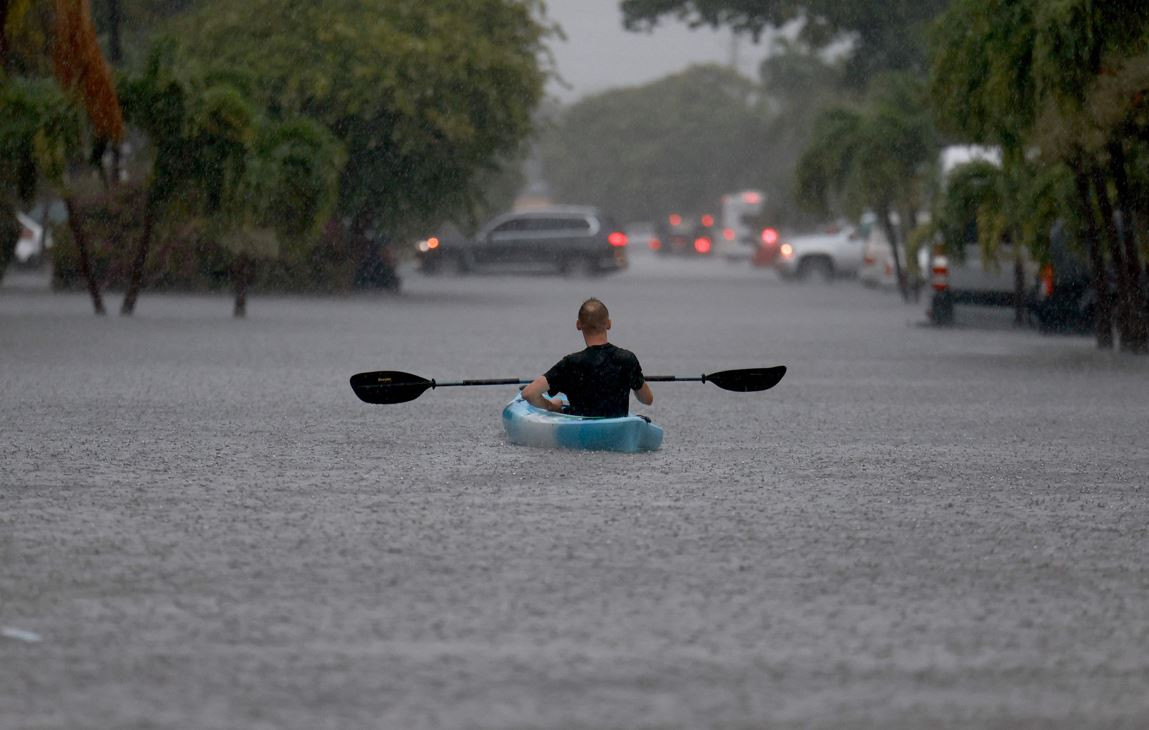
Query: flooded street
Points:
[202, 527]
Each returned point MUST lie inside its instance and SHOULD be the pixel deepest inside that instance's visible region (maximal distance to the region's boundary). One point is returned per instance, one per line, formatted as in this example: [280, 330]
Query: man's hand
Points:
[533, 394]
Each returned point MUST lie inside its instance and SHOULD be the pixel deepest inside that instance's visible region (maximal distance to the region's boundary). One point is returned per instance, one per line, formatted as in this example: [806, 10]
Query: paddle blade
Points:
[389, 386]
[748, 380]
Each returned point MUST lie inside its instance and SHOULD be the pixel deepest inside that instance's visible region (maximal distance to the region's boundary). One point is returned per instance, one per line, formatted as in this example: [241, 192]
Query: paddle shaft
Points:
[514, 381]
[488, 381]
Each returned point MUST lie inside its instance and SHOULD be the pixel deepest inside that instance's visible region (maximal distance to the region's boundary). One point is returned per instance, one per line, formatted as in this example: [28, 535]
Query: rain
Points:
[273, 277]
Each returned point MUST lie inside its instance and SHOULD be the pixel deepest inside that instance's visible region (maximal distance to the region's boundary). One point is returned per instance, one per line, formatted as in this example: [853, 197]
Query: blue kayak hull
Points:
[529, 426]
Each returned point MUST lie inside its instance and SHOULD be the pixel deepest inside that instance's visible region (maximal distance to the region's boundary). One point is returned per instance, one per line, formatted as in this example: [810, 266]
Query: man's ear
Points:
[608, 323]
[578, 325]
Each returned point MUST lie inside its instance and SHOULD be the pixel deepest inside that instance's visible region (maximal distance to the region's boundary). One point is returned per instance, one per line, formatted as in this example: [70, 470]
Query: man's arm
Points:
[533, 394]
[644, 394]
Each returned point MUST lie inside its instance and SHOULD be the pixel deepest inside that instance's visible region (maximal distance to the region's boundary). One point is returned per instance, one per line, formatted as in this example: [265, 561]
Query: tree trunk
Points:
[1138, 335]
[136, 272]
[241, 272]
[1018, 286]
[892, 235]
[1124, 286]
[4, 5]
[1103, 307]
[115, 46]
[81, 240]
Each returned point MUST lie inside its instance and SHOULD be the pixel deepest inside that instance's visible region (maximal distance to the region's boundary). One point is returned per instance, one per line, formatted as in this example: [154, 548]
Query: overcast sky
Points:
[598, 54]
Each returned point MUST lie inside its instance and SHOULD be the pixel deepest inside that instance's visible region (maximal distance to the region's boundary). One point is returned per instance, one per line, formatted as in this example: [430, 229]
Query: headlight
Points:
[427, 244]
[787, 251]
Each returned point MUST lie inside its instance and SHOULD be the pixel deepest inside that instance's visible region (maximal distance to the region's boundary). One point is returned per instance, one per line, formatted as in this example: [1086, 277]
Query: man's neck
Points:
[599, 338]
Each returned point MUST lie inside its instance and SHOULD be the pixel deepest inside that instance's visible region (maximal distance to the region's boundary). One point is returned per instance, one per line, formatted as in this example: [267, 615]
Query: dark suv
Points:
[568, 239]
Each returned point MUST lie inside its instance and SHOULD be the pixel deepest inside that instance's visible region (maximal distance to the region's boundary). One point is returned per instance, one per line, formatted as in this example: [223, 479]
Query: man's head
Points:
[593, 318]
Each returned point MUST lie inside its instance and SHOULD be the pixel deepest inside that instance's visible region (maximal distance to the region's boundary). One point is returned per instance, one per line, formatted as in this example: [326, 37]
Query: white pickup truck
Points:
[823, 256]
[968, 279]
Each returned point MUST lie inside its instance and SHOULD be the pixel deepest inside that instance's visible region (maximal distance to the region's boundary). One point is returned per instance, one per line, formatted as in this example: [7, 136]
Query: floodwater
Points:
[201, 527]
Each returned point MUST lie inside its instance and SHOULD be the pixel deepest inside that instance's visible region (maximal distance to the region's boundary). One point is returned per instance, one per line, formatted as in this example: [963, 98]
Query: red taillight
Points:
[702, 244]
[655, 244]
[675, 219]
[728, 234]
[707, 220]
[751, 198]
[618, 238]
[1046, 281]
[769, 236]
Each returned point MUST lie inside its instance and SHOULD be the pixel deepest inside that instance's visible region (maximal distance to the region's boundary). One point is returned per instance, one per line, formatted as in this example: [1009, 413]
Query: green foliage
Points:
[675, 144]
[887, 34]
[970, 206]
[422, 95]
[876, 156]
[981, 86]
[40, 135]
[255, 183]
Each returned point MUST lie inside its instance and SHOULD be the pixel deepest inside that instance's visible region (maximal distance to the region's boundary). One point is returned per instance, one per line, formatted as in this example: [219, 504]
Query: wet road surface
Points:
[204, 528]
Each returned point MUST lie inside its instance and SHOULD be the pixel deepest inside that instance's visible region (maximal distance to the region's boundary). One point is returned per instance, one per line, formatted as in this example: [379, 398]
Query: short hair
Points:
[593, 315]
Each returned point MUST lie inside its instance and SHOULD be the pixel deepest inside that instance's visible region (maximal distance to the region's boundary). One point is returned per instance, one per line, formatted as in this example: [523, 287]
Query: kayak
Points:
[530, 426]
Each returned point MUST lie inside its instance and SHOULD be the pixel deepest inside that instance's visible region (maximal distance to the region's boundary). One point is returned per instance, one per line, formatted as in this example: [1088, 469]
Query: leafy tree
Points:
[255, 185]
[423, 96]
[982, 91]
[887, 34]
[282, 188]
[873, 157]
[1018, 72]
[675, 144]
[40, 127]
[1091, 65]
[797, 84]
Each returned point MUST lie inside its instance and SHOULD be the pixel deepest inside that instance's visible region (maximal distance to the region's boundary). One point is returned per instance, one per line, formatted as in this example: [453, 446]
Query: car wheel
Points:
[455, 265]
[579, 267]
[816, 269]
[942, 309]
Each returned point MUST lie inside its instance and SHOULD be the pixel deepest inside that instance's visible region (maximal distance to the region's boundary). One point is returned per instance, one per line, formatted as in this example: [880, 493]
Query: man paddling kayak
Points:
[597, 381]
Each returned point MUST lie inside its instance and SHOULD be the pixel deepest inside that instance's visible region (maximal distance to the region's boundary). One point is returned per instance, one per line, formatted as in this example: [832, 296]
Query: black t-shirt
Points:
[597, 380]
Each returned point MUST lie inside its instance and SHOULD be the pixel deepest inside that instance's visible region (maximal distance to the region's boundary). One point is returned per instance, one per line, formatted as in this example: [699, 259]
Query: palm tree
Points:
[1090, 66]
[43, 132]
[872, 157]
[285, 189]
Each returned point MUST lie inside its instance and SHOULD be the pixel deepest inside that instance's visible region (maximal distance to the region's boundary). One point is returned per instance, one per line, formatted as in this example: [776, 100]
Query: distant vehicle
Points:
[688, 236]
[1063, 297]
[766, 252]
[739, 235]
[963, 276]
[878, 269]
[966, 278]
[34, 242]
[833, 253]
[642, 236]
[568, 239]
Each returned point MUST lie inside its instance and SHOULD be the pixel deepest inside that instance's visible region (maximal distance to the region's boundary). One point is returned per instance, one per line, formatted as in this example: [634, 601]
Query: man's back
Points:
[597, 381]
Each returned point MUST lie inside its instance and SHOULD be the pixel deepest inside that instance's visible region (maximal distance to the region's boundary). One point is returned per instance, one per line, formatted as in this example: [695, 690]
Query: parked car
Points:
[878, 270]
[1063, 297]
[567, 239]
[834, 252]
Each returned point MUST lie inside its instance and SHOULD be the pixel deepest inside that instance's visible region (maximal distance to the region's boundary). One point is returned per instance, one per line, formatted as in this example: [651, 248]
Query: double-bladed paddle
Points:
[392, 386]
